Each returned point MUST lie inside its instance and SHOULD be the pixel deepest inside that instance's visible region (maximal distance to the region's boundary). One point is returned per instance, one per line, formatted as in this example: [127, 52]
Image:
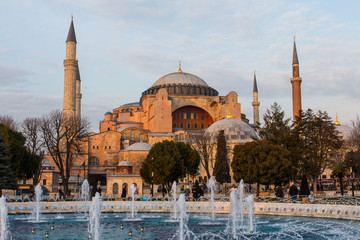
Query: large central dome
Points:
[180, 78]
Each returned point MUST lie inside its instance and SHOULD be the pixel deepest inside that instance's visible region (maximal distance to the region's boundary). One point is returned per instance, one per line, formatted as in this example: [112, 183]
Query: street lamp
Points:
[351, 158]
[152, 177]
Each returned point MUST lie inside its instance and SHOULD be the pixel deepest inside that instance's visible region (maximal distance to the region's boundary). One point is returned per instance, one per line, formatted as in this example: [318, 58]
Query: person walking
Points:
[293, 191]
[279, 192]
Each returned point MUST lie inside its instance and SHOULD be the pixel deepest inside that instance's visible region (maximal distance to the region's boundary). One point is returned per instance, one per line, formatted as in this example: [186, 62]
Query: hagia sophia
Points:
[177, 106]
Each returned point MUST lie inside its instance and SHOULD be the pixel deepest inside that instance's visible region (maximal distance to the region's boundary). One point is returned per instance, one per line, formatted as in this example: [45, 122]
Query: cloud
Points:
[10, 76]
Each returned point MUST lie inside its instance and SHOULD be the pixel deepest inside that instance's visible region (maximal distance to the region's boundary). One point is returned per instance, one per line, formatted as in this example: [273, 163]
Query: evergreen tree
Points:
[304, 187]
[261, 162]
[7, 176]
[163, 165]
[222, 168]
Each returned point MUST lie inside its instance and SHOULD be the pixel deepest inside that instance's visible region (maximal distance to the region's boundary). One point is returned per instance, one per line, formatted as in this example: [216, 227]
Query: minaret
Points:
[296, 82]
[70, 72]
[78, 94]
[255, 102]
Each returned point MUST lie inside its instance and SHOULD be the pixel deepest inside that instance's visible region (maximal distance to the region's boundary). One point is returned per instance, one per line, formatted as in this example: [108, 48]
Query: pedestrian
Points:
[293, 191]
[123, 193]
[279, 192]
[187, 192]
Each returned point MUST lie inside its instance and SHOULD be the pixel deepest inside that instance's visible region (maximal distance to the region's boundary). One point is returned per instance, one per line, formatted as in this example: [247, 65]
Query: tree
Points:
[278, 131]
[221, 168]
[191, 158]
[340, 171]
[23, 163]
[261, 162]
[352, 159]
[7, 176]
[355, 134]
[318, 140]
[304, 187]
[203, 144]
[167, 165]
[9, 121]
[31, 130]
[63, 137]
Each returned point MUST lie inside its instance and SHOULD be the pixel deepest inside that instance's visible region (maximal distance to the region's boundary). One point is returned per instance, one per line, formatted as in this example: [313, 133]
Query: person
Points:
[198, 193]
[293, 191]
[233, 189]
[99, 190]
[123, 193]
[187, 192]
[279, 192]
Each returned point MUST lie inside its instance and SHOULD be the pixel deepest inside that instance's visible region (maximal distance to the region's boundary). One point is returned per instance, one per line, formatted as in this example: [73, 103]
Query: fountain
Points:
[38, 193]
[211, 186]
[95, 212]
[182, 216]
[85, 194]
[233, 213]
[241, 196]
[132, 192]
[250, 208]
[173, 190]
[4, 233]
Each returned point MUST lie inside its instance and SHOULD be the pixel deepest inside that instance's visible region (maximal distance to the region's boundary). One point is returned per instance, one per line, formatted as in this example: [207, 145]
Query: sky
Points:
[124, 46]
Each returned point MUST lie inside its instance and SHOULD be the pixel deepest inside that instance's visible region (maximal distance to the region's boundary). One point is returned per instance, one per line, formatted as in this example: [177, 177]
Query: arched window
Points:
[115, 189]
[181, 125]
[141, 137]
[195, 125]
[93, 161]
[123, 136]
[189, 125]
[124, 189]
[174, 125]
[132, 135]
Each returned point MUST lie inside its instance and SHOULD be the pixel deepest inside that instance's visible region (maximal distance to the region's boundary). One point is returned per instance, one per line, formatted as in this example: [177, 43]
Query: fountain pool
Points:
[156, 226]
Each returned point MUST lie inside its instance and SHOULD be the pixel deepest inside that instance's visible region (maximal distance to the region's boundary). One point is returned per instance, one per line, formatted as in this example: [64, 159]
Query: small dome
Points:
[180, 78]
[140, 146]
[108, 113]
[46, 163]
[124, 164]
[234, 130]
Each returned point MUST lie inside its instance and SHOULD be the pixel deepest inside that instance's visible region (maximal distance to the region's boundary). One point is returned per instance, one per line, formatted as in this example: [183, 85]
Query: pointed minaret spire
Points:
[255, 89]
[71, 106]
[71, 35]
[296, 82]
[337, 123]
[295, 57]
[255, 102]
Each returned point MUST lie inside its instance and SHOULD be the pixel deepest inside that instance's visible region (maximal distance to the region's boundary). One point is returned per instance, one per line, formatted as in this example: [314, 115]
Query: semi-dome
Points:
[234, 130]
[180, 78]
[140, 146]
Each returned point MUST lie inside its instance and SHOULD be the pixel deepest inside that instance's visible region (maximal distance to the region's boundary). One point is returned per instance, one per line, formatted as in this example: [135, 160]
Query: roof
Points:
[180, 78]
[126, 127]
[234, 130]
[124, 164]
[46, 163]
[78, 73]
[108, 113]
[71, 35]
[255, 89]
[133, 104]
[295, 57]
[140, 146]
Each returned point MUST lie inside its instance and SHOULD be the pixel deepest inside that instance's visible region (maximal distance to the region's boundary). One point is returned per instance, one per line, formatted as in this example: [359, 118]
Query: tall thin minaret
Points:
[296, 82]
[255, 102]
[78, 94]
[70, 72]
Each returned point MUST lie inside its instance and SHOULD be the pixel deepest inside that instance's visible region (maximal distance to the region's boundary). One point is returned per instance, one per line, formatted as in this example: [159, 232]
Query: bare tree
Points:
[31, 129]
[9, 121]
[355, 134]
[204, 145]
[64, 137]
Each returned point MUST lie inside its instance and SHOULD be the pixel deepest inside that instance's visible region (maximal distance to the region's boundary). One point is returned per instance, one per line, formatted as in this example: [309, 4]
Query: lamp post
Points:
[152, 177]
[351, 158]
